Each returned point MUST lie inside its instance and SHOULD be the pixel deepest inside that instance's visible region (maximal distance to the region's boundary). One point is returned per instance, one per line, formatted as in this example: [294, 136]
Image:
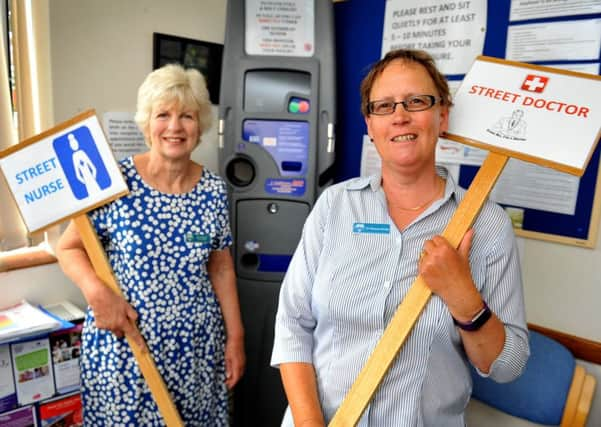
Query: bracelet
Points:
[477, 321]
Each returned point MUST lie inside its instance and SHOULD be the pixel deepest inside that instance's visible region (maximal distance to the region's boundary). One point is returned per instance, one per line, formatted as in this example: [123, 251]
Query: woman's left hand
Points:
[235, 361]
[447, 273]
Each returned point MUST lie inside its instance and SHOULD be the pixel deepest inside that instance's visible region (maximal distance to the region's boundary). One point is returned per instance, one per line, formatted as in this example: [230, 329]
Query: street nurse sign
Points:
[63, 172]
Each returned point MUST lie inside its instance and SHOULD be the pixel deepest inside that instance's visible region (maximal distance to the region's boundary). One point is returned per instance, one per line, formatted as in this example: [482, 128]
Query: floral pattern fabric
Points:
[158, 245]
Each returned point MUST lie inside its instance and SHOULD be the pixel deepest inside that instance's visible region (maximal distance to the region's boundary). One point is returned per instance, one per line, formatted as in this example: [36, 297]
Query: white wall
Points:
[562, 286]
[101, 51]
[45, 284]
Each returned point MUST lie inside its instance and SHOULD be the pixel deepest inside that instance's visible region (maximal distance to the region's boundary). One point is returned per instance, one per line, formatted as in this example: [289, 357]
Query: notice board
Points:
[515, 30]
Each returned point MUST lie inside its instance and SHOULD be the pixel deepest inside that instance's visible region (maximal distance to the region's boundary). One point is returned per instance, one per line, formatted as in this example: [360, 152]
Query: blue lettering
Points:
[51, 161]
[44, 190]
[39, 169]
[29, 197]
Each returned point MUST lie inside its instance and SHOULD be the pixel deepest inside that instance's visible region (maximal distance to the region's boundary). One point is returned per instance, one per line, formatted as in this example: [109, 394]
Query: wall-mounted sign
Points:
[282, 28]
[452, 32]
[64, 171]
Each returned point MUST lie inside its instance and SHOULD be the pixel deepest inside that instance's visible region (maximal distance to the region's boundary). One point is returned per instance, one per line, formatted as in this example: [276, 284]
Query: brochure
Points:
[66, 310]
[32, 370]
[66, 346]
[22, 417]
[8, 395]
[64, 411]
[24, 320]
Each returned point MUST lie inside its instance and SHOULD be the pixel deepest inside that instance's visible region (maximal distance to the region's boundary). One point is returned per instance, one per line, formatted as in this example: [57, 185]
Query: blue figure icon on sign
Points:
[85, 171]
[82, 163]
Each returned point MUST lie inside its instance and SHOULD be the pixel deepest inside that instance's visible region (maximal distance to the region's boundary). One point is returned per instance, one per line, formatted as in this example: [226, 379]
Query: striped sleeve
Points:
[293, 341]
[504, 294]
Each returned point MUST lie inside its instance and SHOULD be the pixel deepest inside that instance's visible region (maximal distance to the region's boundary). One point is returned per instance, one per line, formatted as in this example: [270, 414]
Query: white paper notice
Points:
[451, 31]
[371, 162]
[123, 134]
[552, 41]
[280, 27]
[451, 152]
[533, 9]
[534, 187]
[581, 68]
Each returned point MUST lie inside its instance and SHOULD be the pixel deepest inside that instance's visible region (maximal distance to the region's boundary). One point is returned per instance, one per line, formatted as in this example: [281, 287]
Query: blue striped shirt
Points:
[347, 277]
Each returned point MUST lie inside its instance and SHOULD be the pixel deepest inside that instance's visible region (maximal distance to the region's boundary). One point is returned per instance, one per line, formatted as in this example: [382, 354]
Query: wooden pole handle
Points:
[145, 362]
[395, 334]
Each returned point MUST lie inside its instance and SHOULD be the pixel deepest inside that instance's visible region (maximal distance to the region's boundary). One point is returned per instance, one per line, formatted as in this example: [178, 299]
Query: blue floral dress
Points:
[158, 245]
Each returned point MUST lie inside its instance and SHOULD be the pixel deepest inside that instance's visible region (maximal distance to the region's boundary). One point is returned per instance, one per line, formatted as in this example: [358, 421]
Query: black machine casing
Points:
[277, 156]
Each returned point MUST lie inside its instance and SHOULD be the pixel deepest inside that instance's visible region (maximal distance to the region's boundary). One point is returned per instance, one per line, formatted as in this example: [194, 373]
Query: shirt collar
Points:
[375, 182]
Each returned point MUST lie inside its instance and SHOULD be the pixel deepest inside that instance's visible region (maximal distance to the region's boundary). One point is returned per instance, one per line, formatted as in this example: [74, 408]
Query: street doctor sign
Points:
[538, 114]
[63, 172]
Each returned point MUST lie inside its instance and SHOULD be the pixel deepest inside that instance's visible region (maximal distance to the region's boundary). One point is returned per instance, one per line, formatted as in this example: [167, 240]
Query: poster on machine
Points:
[281, 28]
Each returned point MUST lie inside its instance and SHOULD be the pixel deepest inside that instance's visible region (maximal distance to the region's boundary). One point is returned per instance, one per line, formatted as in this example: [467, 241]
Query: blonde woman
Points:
[168, 244]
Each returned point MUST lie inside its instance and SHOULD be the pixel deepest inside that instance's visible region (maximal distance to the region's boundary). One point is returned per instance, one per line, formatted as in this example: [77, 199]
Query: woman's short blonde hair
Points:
[173, 84]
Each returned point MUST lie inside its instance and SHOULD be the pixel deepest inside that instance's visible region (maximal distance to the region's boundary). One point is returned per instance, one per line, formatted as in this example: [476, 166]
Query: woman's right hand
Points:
[113, 313]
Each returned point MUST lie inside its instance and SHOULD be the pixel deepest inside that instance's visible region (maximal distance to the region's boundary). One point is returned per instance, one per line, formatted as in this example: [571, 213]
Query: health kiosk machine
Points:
[276, 152]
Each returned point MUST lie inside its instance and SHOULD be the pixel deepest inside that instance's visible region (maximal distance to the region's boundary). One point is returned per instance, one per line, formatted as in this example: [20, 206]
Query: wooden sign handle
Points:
[395, 334]
[145, 362]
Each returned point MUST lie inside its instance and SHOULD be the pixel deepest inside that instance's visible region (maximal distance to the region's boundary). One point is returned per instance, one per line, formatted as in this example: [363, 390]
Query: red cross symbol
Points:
[533, 83]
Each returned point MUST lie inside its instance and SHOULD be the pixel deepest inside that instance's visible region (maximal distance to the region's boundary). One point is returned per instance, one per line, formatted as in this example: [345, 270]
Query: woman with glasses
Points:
[362, 247]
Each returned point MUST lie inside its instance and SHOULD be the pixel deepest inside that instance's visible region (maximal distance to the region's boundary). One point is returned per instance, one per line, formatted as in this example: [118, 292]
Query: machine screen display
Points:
[286, 141]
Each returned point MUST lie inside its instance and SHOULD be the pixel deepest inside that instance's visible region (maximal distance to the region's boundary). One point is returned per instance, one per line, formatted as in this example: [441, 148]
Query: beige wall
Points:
[102, 50]
[563, 287]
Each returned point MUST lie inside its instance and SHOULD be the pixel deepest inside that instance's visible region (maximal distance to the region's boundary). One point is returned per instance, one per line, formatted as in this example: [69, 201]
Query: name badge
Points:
[197, 238]
[365, 227]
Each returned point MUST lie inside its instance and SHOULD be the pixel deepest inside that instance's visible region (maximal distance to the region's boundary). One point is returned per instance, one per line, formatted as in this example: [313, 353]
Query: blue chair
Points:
[553, 390]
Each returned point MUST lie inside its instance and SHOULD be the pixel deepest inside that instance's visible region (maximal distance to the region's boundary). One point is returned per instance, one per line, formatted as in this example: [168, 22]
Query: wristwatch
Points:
[477, 321]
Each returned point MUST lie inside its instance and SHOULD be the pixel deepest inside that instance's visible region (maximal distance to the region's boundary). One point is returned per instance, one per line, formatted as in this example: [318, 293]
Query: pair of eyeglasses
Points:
[411, 104]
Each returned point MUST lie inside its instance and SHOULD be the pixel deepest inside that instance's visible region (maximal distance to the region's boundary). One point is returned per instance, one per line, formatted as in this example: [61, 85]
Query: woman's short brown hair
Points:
[405, 55]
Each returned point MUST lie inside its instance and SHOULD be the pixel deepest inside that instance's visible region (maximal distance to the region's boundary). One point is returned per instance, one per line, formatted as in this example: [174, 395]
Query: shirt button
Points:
[399, 241]
[387, 284]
